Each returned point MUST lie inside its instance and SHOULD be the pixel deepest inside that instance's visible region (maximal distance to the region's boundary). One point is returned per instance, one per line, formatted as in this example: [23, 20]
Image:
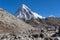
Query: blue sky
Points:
[42, 7]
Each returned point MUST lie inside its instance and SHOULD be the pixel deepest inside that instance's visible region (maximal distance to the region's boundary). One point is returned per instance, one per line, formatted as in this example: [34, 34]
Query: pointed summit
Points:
[25, 13]
[24, 6]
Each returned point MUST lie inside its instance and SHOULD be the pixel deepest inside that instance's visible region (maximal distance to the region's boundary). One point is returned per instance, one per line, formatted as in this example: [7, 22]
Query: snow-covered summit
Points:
[25, 13]
[24, 6]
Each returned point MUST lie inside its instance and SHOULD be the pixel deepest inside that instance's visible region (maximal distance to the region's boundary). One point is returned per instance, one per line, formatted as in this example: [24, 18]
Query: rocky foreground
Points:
[30, 35]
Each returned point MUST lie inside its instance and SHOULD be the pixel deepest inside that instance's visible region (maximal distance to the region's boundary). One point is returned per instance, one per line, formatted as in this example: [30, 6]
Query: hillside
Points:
[9, 23]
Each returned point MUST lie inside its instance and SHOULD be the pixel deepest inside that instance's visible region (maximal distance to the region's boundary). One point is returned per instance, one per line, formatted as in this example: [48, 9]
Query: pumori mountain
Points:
[25, 13]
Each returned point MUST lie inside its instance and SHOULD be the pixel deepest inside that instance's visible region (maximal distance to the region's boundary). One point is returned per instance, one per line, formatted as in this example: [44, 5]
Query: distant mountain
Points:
[25, 13]
[34, 19]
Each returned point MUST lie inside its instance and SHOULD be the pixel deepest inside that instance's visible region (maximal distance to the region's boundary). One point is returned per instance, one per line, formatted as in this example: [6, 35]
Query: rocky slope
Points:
[12, 28]
[10, 22]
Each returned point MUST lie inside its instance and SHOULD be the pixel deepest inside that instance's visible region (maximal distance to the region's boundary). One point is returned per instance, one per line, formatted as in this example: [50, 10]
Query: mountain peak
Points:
[25, 13]
[23, 5]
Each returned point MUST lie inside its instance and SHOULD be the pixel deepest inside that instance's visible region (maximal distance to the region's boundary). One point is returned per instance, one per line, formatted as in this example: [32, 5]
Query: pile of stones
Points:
[37, 34]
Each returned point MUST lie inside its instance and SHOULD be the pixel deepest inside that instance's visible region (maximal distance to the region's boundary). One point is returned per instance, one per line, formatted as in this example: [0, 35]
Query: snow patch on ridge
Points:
[37, 15]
